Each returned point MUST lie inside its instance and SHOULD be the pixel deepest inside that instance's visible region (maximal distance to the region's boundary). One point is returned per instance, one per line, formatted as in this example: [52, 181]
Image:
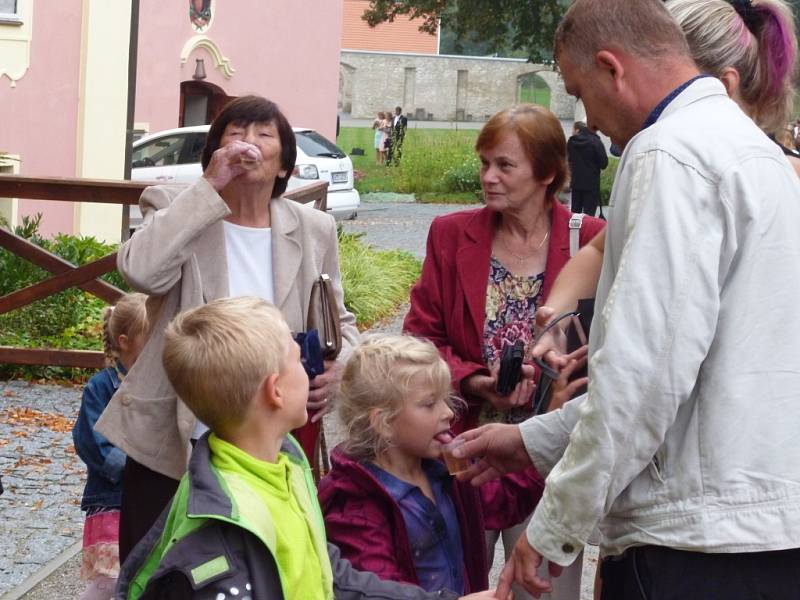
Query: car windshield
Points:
[313, 144]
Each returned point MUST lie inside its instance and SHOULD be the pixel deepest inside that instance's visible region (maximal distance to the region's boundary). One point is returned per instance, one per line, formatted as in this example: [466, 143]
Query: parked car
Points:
[173, 156]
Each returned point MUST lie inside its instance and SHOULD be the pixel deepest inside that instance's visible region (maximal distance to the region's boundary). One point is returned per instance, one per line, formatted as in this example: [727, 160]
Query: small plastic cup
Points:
[249, 159]
[454, 465]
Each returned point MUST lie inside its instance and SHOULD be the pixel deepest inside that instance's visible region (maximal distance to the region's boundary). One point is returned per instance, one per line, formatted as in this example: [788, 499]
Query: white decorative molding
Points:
[15, 43]
[202, 41]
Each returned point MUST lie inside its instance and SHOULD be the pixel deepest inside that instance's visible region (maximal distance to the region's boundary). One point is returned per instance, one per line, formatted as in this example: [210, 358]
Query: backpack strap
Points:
[575, 223]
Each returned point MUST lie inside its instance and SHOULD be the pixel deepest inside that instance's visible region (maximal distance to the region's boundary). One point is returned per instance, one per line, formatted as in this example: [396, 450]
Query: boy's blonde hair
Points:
[380, 374]
[127, 317]
[217, 355]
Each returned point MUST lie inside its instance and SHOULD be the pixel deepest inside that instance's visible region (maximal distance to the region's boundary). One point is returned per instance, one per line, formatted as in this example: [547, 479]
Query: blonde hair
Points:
[380, 374]
[127, 317]
[759, 42]
[217, 355]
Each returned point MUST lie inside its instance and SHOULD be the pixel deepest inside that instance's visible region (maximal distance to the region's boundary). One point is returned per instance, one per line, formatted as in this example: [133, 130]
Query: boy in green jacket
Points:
[245, 522]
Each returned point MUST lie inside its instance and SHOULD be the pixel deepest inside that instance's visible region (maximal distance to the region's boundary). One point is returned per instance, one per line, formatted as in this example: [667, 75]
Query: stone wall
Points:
[439, 87]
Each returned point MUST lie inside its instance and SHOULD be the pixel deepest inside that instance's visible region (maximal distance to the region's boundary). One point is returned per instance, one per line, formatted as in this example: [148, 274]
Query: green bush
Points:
[464, 176]
[375, 282]
[67, 320]
[607, 180]
[428, 156]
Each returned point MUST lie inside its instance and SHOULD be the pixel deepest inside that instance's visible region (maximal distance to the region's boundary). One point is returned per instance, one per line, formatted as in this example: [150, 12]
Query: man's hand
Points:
[499, 449]
[552, 345]
[485, 388]
[521, 568]
[321, 391]
[563, 388]
[226, 163]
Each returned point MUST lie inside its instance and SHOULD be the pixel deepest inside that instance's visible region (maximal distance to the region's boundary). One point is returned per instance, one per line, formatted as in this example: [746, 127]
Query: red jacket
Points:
[448, 303]
[367, 525]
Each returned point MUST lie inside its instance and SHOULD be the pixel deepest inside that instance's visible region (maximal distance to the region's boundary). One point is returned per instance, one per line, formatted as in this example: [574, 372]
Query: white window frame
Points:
[14, 18]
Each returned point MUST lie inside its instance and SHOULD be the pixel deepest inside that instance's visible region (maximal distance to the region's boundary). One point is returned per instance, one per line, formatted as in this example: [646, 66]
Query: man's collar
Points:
[656, 113]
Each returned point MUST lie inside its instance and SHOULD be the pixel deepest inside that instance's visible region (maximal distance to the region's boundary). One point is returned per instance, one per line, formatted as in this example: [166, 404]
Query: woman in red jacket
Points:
[487, 270]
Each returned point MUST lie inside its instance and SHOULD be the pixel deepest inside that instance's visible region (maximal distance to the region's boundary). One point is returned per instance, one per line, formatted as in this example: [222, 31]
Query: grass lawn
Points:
[437, 164]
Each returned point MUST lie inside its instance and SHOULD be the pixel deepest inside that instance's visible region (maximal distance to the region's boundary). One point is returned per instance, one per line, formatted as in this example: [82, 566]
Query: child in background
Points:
[124, 333]
[244, 522]
[389, 504]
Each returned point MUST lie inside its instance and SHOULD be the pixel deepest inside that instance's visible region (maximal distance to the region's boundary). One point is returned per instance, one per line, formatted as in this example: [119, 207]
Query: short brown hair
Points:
[218, 354]
[542, 138]
[643, 28]
[379, 374]
[255, 109]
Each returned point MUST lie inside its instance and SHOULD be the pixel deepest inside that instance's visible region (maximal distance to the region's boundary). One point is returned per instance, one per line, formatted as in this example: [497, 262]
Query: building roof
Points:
[401, 35]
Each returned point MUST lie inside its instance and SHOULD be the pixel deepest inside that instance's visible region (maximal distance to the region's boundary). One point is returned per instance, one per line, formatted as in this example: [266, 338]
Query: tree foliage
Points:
[528, 25]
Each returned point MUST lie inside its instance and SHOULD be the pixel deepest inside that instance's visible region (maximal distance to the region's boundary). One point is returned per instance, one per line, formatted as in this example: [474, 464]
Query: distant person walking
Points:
[587, 157]
[398, 134]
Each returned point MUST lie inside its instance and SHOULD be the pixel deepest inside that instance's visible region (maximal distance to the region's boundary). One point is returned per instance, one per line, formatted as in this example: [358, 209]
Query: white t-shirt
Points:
[249, 251]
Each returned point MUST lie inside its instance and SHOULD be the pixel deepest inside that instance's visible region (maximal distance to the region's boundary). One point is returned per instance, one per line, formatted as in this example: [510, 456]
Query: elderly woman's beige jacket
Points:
[178, 258]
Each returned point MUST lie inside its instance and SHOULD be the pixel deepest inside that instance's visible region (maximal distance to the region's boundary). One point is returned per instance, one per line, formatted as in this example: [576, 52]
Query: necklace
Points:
[523, 258]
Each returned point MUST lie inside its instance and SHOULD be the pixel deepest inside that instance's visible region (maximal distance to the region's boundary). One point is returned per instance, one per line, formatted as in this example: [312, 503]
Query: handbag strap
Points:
[575, 223]
[328, 327]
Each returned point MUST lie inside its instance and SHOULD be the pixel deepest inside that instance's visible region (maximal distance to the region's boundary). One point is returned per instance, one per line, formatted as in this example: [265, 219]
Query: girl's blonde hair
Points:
[127, 317]
[380, 374]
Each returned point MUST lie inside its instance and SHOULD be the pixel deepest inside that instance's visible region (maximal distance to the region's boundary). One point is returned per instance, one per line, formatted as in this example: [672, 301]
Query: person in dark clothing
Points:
[587, 157]
[396, 137]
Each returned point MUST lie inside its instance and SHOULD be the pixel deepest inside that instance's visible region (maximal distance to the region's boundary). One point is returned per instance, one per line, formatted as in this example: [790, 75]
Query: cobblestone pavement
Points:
[43, 478]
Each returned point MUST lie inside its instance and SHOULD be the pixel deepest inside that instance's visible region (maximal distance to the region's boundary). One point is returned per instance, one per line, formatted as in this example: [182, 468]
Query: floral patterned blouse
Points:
[511, 303]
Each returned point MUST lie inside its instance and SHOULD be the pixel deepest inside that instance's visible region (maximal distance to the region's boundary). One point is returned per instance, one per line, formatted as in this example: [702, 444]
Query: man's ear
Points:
[269, 393]
[608, 62]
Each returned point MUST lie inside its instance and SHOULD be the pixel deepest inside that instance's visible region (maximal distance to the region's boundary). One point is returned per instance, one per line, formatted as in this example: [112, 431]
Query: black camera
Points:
[510, 367]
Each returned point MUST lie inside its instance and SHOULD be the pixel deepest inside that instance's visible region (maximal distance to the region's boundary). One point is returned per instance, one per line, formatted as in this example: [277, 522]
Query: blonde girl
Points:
[124, 334]
[390, 504]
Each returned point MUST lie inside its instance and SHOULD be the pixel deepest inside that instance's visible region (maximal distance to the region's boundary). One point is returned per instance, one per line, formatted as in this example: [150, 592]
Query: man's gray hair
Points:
[643, 28]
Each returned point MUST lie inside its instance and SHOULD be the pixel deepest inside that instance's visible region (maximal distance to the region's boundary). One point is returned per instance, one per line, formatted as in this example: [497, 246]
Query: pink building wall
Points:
[41, 112]
[286, 50]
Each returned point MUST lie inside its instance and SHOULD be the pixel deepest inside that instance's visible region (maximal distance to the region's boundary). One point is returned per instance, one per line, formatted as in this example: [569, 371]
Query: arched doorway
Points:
[534, 89]
[200, 102]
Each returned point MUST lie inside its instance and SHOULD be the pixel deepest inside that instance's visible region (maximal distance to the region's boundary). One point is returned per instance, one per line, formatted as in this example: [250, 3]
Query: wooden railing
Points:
[65, 274]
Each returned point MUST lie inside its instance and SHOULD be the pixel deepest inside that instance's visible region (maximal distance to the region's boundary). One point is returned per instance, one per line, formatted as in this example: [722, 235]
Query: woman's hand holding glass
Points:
[230, 161]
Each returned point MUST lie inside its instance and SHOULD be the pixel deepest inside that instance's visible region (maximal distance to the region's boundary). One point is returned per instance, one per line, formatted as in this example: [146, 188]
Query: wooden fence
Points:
[65, 275]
